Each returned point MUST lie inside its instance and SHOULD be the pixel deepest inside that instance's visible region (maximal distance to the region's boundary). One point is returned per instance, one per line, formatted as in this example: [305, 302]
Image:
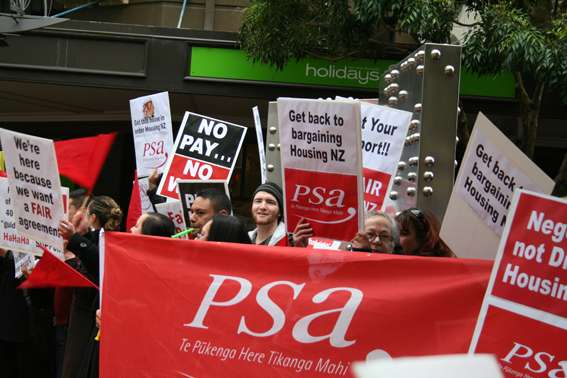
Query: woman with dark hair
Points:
[154, 224]
[419, 234]
[81, 350]
[224, 228]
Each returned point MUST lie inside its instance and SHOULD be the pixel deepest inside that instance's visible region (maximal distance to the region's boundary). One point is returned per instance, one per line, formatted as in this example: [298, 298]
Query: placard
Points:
[261, 148]
[33, 177]
[321, 165]
[205, 149]
[493, 167]
[10, 238]
[174, 211]
[152, 130]
[523, 319]
[188, 190]
[452, 366]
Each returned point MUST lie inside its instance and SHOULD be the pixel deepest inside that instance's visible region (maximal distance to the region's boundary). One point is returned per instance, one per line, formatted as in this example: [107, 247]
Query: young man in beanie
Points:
[267, 212]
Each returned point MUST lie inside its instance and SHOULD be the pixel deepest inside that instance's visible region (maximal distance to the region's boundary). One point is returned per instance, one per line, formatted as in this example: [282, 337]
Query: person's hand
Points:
[80, 222]
[66, 229]
[153, 179]
[302, 233]
[27, 270]
[98, 315]
[360, 241]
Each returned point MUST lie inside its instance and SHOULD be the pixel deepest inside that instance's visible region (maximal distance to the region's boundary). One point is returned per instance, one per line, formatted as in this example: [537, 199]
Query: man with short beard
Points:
[267, 213]
[208, 203]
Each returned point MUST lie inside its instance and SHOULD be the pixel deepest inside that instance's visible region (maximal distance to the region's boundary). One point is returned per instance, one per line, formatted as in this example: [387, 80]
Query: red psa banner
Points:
[174, 308]
[523, 319]
[328, 201]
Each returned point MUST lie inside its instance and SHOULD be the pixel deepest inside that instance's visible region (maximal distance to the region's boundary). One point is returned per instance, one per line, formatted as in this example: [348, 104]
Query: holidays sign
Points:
[321, 163]
[153, 136]
[493, 167]
[205, 149]
[304, 313]
[35, 190]
[523, 319]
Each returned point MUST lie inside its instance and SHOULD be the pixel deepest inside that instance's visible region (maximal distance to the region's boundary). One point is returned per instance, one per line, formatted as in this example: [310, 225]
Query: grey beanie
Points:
[273, 189]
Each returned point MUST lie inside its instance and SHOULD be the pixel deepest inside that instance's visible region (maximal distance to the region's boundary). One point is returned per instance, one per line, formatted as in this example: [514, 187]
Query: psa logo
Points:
[537, 362]
[319, 195]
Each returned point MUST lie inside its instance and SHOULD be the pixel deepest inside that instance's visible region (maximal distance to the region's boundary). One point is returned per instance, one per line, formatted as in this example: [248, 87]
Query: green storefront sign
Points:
[233, 64]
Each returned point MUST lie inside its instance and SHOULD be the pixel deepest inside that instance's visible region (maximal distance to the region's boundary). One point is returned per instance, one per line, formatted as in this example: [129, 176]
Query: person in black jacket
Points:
[81, 349]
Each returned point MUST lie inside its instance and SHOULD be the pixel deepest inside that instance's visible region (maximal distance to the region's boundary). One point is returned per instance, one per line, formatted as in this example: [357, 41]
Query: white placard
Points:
[22, 260]
[492, 168]
[153, 135]
[35, 189]
[261, 148]
[321, 165]
[384, 133]
[10, 238]
[144, 185]
[174, 211]
[450, 366]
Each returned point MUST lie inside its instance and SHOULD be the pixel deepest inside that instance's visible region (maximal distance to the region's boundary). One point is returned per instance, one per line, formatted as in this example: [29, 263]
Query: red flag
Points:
[203, 309]
[52, 272]
[135, 207]
[81, 159]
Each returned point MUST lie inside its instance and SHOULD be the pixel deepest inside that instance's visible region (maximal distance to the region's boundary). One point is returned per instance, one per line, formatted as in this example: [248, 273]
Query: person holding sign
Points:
[81, 352]
[267, 212]
[419, 234]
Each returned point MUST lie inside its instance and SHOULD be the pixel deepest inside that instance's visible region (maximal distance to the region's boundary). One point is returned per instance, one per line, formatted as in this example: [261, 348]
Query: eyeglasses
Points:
[381, 237]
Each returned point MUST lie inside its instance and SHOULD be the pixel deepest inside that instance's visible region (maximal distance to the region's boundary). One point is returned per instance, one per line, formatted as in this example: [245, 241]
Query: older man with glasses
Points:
[379, 235]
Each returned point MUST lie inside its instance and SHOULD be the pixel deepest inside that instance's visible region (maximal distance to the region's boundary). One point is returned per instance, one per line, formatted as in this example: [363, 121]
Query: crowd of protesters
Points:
[57, 329]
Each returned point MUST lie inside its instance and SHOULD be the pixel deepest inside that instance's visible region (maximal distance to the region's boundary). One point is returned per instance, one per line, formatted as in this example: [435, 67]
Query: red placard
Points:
[524, 347]
[186, 168]
[328, 201]
[533, 268]
[375, 188]
[523, 320]
[204, 309]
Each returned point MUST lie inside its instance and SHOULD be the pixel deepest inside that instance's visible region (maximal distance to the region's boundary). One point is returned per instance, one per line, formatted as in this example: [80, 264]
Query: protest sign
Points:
[324, 243]
[10, 238]
[205, 149]
[321, 165]
[174, 211]
[21, 261]
[188, 190]
[384, 131]
[261, 149]
[35, 190]
[153, 135]
[523, 319]
[144, 185]
[259, 311]
[493, 167]
[462, 366]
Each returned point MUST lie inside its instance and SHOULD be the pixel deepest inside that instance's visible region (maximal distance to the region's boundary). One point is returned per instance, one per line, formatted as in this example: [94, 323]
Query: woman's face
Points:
[408, 239]
[204, 233]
